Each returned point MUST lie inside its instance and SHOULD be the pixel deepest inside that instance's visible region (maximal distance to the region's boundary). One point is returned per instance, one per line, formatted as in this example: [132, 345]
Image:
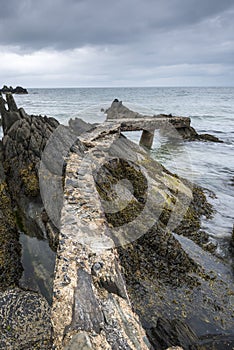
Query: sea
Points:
[207, 164]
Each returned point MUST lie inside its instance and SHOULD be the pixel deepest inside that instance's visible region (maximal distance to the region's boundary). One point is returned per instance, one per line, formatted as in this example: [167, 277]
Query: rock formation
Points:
[21, 326]
[18, 90]
[24, 140]
[132, 268]
[172, 126]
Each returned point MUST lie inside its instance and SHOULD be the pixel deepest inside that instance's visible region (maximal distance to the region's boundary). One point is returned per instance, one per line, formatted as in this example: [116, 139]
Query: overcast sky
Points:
[69, 43]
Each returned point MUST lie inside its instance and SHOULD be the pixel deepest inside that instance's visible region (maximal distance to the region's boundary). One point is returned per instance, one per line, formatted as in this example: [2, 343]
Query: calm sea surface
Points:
[211, 110]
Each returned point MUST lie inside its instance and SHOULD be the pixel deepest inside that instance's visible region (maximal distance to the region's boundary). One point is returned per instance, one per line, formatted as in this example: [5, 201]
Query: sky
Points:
[100, 43]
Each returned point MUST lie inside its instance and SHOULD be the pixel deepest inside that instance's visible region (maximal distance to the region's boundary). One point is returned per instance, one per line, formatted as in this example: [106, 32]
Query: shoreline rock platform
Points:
[125, 231]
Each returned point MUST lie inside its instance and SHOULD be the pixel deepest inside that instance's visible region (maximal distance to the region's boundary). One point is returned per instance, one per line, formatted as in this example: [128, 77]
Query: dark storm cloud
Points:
[116, 43]
[67, 24]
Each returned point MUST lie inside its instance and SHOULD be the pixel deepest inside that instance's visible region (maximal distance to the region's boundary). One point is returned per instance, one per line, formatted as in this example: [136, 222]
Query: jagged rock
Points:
[6, 89]
[93, 319]
[171, 333]
[10, 249]
[25, 137]
[24, 316]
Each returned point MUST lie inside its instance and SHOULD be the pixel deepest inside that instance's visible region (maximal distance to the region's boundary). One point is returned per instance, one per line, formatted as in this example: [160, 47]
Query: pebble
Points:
[96, 268]
[66, 280]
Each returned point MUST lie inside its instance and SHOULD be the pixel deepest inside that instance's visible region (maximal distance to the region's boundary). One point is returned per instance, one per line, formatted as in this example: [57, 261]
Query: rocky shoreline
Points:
[147, 290]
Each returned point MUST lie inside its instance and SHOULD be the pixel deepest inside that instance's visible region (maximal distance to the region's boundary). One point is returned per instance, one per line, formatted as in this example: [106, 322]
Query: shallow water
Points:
[38, 261]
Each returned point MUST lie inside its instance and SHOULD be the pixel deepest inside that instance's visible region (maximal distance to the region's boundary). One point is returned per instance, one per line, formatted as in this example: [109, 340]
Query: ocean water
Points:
[211, 110]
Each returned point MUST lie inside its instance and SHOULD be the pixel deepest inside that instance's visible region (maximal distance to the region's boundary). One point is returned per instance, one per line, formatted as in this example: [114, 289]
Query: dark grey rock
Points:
[87, 314]
[208, 137]
[170, 333]
[79, 126]
[17, 90]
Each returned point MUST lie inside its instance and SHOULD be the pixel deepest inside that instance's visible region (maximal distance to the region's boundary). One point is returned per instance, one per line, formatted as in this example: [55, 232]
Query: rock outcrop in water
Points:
[18, 90]
[172, 126]
[126, 276]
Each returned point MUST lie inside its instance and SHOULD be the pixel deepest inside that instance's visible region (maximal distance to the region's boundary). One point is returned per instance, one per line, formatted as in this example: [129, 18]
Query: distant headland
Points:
[18, 90]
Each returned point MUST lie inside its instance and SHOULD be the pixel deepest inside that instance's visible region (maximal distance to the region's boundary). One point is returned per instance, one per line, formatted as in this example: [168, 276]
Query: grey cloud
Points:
[8, 9]
[134, 42]
[66, 24]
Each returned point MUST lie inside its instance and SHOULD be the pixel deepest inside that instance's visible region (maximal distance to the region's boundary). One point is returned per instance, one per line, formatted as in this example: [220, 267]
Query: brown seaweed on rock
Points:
[163, 279]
